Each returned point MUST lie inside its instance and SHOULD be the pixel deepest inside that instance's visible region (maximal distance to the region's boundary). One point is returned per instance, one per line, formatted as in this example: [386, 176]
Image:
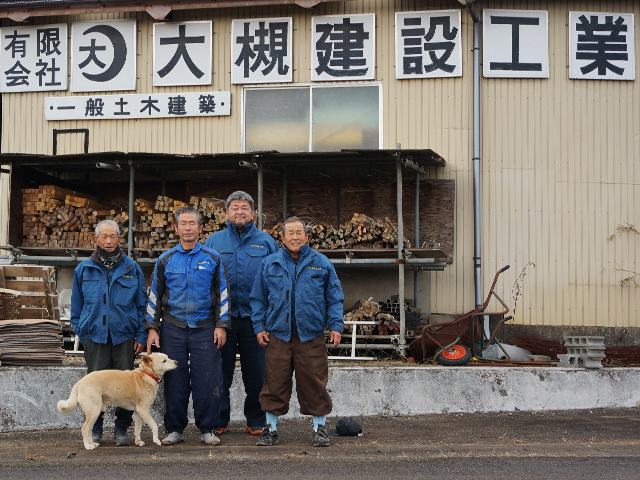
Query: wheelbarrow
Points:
[456, 342]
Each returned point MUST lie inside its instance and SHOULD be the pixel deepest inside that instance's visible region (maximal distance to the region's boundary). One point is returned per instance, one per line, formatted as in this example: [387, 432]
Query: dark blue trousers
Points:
[199, 373]
[242, 339]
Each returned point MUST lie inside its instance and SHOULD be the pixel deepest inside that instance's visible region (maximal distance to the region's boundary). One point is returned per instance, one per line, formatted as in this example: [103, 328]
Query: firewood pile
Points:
[359, 232]
[58, 217]
[388, 323]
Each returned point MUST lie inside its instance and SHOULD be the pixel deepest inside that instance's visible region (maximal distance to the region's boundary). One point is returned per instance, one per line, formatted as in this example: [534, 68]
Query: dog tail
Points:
[66, 406]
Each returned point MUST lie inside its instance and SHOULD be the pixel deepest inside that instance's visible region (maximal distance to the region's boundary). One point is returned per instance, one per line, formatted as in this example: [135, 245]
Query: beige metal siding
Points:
[558, 156]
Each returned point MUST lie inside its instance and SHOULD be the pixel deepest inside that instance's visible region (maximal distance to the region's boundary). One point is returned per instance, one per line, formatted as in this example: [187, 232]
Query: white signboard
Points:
[261, 50]
[601, 46]
[428, 44]
[103, 56]
[122, 107]
[34, 58]
[343, 47]
[182, 53]
[516, 44]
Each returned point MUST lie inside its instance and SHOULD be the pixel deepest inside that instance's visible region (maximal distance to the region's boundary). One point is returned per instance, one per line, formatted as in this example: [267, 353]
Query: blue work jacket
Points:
[242, 253]
[318, 292]
[109, 302]
[188, 289]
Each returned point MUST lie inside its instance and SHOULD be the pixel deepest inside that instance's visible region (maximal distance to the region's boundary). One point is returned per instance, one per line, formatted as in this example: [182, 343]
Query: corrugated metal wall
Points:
[558, 156]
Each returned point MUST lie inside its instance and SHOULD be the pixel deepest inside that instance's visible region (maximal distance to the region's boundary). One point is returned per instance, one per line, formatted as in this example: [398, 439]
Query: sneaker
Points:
[173, 438]
[120, 434]
[253, 430]
[210, 439]
[221, 430]
[320, 438]
[267, 437]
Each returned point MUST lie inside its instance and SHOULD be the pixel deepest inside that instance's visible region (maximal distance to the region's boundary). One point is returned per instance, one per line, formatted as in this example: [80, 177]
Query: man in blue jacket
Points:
[295, 296]
[242, 247]
[189, 294]
[108, 301]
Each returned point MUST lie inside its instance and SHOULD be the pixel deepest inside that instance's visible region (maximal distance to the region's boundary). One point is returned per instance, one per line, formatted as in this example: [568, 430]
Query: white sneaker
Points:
[210, 439]
[173, 438]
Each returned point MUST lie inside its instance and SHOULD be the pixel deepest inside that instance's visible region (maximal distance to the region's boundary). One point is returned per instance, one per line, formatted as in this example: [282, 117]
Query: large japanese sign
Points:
[34, 58]
[261, 50]
[182, 53]
[601, 46]
[123, 107]
[428, 44]
[103, 56]
[343, 47]
[516, 44]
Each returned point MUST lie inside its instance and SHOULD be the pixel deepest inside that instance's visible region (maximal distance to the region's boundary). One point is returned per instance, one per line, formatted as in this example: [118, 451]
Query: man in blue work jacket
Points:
[189, 294]
[295, 296]
[108, 302]
[242, 247]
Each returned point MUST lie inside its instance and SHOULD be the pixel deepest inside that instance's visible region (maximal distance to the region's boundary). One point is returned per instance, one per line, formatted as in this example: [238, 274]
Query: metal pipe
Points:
[284, 194]
[402, 345]
[108, 166]
[260, 194]
[132, 175]
[477, 219]
[365, 346]
[416, 226]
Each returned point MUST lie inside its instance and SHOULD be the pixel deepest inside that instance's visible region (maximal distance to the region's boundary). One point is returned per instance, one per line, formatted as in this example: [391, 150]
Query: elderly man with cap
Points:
[242, 247]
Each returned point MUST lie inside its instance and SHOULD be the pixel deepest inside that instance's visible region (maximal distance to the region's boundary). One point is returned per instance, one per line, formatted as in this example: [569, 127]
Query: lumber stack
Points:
[32, 336]
[58, 217]
[368, 311]
[359, 232]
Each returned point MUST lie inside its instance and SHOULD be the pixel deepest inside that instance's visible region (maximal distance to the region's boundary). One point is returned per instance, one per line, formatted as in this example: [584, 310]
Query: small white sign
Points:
[516, 43]
[343, 47]
[34, 59]
[601, 46]
[123, 107]
[428, 44]
[182, 53]
[261, 50]
[103, 56]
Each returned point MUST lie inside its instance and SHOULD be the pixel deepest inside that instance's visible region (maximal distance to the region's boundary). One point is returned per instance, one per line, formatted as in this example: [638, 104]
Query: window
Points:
[312, 118]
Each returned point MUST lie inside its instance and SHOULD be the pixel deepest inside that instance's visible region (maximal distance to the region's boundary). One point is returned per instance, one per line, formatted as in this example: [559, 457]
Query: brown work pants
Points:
[309, 362]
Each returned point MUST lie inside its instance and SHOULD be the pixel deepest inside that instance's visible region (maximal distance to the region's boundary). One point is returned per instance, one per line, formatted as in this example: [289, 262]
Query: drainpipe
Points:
[477, 221]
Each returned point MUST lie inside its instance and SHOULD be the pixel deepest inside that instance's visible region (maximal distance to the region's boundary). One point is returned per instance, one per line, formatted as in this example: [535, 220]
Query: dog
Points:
[131, 389]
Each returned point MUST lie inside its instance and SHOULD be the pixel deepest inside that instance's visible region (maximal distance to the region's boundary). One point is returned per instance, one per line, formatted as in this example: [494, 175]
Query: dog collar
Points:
[158, 380]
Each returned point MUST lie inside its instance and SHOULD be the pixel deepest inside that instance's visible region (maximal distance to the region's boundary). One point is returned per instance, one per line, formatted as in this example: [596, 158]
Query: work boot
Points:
[120, 434]
[320, 438]
[267, 437]
[173, 438]
[210, 439]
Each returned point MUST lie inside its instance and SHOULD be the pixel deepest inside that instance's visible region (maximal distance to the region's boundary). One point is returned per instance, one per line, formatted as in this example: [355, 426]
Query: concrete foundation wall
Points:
[28, 396]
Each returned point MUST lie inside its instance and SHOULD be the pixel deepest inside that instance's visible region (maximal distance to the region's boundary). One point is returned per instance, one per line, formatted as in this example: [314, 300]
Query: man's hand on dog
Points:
[220, 336]
[152, 339]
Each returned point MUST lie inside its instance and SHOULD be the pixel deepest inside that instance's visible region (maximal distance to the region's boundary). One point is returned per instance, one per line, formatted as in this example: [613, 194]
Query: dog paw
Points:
[157, 442]
[140, 443]
[91, 446]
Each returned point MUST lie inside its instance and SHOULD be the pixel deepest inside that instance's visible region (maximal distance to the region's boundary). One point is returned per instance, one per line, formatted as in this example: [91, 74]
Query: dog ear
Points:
[145, 359]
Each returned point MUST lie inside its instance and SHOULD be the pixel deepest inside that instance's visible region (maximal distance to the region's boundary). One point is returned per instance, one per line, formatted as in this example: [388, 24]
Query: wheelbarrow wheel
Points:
[453, 356]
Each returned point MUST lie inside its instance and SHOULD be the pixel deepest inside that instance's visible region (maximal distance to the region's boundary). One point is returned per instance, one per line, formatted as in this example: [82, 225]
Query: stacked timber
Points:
[370, 311]
[360, 232]
[58, 217]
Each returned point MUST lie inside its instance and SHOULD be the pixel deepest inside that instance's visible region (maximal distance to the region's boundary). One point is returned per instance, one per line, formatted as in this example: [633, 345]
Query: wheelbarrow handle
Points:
[505, 268]
[508, 318]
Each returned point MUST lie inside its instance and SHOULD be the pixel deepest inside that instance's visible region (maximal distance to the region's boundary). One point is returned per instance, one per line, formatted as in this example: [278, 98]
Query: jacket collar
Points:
[305, 254]
[249, 228]
[193, 250]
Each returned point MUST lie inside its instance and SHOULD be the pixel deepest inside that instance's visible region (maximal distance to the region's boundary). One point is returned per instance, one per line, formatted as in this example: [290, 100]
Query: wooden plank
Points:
[33, 312]
[22, 270]
[2, 279]
[26, 285]
[33, 300]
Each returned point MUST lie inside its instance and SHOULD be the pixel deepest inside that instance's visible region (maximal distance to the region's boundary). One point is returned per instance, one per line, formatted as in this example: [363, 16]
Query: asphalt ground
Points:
[598, 444]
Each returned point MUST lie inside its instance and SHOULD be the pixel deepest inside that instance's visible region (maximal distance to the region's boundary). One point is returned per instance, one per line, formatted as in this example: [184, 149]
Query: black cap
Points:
[347, 427]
